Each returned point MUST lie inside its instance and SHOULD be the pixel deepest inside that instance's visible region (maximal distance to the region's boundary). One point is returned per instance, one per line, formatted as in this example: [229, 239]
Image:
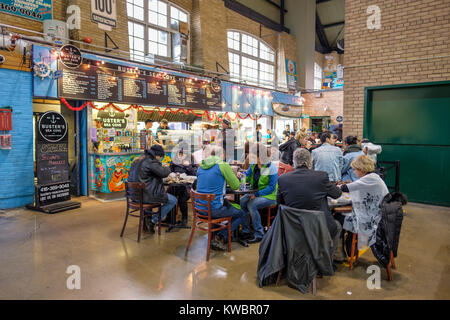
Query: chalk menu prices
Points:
[52, 164]
[109, 82]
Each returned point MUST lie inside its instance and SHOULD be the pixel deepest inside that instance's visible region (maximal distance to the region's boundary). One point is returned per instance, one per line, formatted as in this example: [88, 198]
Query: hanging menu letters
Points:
[95, 81]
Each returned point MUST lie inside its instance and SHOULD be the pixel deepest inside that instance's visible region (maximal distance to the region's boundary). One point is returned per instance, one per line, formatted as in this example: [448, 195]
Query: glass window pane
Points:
[152, 17]
[162, 50]
[139, 44]
[153, 5]
[152, 34]
[130, 28]
[152, 47]
[162, 37]
[162, 7]
[174, 24]
[183, 17]
[139, 3]
[174, 13]
[162, 20]
[139, 30]
[139, 13]
[129, 9]
[131, 42]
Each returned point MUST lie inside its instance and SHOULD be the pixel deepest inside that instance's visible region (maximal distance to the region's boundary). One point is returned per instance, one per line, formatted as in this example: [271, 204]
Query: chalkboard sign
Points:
[109, 82]
[52, 149]
[53, 193]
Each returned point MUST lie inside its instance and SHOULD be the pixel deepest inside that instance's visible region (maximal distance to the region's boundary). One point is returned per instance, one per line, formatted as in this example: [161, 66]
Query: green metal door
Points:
[411, 123]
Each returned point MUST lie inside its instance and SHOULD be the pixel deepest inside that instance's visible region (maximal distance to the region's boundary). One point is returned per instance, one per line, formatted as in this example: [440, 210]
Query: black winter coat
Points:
[388, 231]
[287, 151]
[149, 170]
[298, 242]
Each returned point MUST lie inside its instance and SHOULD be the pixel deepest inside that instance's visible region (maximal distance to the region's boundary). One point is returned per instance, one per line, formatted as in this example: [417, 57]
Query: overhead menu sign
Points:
[115, 83]
[38, 10]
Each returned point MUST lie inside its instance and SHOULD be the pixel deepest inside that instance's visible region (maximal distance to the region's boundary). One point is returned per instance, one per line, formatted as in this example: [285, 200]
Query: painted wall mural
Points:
[109, 172]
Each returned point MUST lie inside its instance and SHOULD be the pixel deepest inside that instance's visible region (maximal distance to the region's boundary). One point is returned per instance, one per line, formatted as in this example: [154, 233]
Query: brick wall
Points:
[410, 30]
[16, 165]
[314, 106]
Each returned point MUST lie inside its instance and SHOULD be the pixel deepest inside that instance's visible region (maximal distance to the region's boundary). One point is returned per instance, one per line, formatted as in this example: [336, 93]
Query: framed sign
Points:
[70, 56]
[38, 10]
[104, 12]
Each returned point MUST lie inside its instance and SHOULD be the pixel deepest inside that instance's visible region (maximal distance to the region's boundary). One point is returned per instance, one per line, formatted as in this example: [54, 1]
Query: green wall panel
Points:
[424, 172]
[412, 124]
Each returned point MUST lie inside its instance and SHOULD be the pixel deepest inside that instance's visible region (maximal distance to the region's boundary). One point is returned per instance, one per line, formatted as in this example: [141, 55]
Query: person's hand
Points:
[239, 175]
[252, 196]
[308, 144]
[185, 163]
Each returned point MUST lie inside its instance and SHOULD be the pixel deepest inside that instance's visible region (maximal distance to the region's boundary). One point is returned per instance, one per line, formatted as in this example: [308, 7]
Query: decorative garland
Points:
[161, 113]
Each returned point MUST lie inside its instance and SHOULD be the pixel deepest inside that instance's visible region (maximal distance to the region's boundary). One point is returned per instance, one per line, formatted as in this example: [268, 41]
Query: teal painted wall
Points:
[411, 123]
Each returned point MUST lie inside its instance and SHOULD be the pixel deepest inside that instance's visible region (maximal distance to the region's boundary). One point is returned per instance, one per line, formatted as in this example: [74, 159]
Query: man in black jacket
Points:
[307, 189]
[148, 169]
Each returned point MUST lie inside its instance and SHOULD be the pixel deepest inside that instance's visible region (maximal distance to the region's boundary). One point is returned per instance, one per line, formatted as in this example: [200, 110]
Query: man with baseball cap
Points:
[148, 169]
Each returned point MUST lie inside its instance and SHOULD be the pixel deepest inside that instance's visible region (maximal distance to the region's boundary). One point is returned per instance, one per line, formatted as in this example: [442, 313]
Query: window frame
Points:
[170, 32]
[260, 60]
[316, 77]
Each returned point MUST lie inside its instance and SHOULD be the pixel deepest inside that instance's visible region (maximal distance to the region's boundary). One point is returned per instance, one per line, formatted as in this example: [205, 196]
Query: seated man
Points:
[328, 158]
[212, 178]
[148, 169]
[264, 178]
[307, 189]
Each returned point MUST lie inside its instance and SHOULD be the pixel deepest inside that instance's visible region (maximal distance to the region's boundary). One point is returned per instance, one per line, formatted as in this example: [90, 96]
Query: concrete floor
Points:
[36, 249]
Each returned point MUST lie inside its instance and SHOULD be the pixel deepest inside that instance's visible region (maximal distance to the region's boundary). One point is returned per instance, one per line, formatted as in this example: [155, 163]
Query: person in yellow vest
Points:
[263, 176]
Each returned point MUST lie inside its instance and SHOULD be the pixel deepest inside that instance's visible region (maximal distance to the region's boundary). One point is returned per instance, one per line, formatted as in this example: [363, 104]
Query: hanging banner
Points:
[38, 10]
[291, 74]
[109, 82]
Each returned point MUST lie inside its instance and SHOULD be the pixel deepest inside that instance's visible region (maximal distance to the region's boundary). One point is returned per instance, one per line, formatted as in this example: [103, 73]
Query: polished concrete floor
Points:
[36, 249]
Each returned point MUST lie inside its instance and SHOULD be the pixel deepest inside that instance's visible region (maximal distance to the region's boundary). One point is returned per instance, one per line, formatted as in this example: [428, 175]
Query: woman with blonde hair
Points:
[366, 194]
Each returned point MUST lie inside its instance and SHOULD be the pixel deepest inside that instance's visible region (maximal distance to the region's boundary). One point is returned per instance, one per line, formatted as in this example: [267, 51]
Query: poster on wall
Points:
[38, 10]
[291, 74]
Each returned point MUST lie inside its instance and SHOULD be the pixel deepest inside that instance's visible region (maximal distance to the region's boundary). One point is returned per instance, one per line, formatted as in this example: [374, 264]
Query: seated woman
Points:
[287, 150]
[263, 176]
[181, 164]
[351, 152]
[366, 194]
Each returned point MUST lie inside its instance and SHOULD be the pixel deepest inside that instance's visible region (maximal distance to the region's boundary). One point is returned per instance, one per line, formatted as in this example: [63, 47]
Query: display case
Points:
[114, 144]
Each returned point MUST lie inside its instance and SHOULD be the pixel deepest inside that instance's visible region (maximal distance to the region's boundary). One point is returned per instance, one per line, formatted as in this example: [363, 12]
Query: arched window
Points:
[251, 60]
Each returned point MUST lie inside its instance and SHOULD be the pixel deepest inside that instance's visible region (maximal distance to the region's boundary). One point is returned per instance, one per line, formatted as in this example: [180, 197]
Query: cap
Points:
[158, 150]
[226, 121]
[164, 121]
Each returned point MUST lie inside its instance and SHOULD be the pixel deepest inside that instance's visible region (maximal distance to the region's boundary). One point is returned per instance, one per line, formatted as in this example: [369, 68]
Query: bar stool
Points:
[135, 190]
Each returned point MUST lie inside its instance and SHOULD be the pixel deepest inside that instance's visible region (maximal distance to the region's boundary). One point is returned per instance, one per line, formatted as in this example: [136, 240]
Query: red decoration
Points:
[161, 113]
[88, 39]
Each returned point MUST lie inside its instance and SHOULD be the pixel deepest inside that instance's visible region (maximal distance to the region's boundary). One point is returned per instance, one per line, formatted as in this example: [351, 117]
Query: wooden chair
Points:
[270, 217]
[352, 255]
[135, 190]
[202, 216]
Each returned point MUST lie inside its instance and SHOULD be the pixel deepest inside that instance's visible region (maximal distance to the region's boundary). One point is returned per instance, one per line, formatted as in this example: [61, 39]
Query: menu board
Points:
[109, 82]
[52, 163]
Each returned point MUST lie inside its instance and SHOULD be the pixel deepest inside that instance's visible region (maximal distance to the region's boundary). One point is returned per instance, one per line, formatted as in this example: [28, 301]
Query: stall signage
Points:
[339, 119]
[52, 126]
[112, 119]
[53, 193]
[116, 83]
[70, 56]
[38, 10]
[52, 164]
